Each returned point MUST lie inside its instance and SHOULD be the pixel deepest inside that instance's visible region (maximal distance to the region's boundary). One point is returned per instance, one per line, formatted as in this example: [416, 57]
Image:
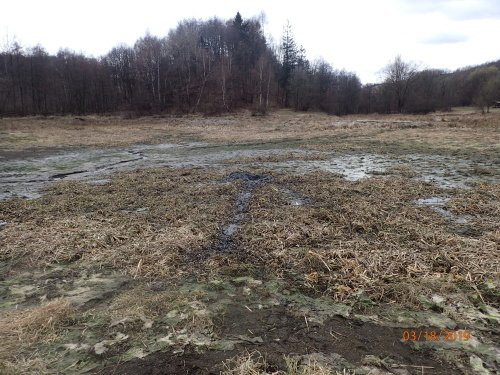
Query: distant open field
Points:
[294, 243]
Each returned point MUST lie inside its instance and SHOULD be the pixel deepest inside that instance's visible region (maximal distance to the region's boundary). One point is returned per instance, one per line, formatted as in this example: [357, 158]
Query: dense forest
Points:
[214, 66]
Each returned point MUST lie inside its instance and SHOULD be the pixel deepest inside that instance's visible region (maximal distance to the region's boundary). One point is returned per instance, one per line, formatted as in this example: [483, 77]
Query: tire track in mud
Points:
[225, 241]
[61, 176]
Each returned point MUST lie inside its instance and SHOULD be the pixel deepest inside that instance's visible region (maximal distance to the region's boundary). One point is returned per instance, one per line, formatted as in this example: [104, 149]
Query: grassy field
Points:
[430, 130]
[287, 260]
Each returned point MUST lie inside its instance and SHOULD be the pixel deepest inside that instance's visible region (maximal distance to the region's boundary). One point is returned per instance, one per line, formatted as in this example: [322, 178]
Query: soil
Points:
[285, 335]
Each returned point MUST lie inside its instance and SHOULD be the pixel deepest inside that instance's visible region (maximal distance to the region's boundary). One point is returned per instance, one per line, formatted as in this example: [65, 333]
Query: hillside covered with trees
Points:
[214, 66]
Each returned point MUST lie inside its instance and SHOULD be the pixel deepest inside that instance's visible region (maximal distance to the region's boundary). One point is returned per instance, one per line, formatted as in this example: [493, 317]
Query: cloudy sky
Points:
[356, 35]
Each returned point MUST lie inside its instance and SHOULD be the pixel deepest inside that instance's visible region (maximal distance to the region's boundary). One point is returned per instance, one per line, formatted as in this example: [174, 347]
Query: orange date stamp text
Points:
[435, 335]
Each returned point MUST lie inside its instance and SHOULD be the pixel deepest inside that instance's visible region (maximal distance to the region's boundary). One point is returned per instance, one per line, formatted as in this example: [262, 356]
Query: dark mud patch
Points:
[247, 177]
[225, 241]
[275, 333]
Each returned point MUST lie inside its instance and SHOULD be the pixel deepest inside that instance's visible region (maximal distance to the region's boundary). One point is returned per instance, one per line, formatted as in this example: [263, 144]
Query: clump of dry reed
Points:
[22, 328]
[254, 363]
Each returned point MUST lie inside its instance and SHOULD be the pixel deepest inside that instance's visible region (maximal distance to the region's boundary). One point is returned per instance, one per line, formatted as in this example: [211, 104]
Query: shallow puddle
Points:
[436, 204]
[446, 172]
[24, 178]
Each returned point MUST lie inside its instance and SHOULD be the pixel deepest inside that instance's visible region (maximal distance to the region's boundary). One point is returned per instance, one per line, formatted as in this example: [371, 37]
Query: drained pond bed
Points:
[290, 257]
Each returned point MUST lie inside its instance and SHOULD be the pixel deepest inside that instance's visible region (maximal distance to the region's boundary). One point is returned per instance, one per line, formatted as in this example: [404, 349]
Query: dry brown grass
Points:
[253, 363]
[370, 236]
[182, 211]
[22, 328]
[349, 238]
[144, 305]
[278, 158]
[21, 133]
[311, 367]
[367, 236]
[30, 364]
[114, 131]
[460, 136]
[446, 139]
[245, 364]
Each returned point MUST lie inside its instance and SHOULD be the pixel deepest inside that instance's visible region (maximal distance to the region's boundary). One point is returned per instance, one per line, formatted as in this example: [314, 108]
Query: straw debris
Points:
[143, 223]
[23, 328]
[253, 363]
[370, 237]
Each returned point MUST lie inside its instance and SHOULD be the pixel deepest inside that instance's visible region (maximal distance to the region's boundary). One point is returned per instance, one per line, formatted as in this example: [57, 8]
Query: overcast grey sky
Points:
[357, 35]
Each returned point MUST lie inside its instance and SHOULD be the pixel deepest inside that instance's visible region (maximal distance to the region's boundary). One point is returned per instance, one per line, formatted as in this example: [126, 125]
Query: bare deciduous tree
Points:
[484, 86]
[215, 65]
[399, 76]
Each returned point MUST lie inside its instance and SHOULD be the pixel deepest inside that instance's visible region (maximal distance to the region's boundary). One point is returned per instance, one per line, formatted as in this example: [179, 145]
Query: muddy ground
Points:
[292, 243]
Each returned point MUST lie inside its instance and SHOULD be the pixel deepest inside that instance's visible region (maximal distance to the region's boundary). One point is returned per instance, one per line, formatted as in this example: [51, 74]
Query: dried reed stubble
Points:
[147, 217]
[21, 328]
[367, 236]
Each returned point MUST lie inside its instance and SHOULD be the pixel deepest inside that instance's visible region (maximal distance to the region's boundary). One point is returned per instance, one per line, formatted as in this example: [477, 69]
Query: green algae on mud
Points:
[135, 319]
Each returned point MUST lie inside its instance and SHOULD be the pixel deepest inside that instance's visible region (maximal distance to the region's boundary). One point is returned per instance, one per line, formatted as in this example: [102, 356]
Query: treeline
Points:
[406, 88]
[216, 66]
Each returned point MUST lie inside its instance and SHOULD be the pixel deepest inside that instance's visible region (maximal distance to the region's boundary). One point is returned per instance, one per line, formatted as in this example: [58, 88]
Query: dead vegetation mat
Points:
[351, 238]
[142, 223]
[369, 237]
[359, 241]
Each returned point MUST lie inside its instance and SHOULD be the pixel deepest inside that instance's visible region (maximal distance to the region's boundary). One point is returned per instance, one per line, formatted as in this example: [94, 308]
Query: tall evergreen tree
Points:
[289, 60]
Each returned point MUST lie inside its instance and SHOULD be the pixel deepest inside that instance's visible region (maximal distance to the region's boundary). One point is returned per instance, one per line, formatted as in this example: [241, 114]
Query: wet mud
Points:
[339, 342]
[26, 177]
[225, 241]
